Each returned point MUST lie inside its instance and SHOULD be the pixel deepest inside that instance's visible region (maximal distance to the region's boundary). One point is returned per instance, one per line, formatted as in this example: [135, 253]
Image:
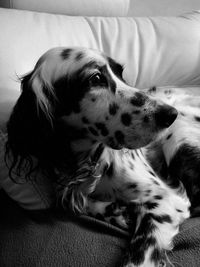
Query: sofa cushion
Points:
[72, 7]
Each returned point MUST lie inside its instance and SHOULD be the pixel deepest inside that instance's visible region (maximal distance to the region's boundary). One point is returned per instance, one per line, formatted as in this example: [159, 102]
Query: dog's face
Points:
[85, 89]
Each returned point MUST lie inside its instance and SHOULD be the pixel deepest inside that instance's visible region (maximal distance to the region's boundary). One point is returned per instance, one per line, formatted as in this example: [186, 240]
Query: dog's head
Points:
[78, 93]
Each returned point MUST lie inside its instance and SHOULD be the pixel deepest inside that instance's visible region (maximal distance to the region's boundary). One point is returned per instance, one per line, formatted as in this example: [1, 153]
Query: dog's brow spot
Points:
[138, 99]
[197, 118]
[146, 119]
[113, 108]
[93, 131]
[119, 137]
[66, 53]
[79, 56]
[126, 119]
[169, 136]
[85, 120]
[93, 99]
[101, 126]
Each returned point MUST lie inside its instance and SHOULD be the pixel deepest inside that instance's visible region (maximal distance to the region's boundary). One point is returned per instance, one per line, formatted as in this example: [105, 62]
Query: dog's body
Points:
[85, 127]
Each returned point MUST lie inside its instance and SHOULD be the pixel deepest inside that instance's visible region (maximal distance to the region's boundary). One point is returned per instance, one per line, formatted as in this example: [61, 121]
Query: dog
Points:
[111, 149]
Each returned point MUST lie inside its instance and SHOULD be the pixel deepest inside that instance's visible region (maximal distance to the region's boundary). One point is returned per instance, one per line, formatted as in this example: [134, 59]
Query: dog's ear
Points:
[31, 124]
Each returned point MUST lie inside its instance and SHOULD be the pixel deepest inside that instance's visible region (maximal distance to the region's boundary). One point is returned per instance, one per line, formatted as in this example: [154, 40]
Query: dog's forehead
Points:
[60, 62]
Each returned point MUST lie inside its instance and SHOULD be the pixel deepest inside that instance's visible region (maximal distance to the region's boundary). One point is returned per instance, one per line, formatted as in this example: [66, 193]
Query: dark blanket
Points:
[35, 239]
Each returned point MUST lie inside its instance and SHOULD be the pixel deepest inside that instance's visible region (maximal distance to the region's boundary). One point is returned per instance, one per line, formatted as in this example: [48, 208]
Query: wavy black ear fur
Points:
[31, 130]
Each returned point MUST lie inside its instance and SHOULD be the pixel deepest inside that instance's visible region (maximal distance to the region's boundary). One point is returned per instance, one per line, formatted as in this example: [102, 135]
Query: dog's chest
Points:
[127, 177]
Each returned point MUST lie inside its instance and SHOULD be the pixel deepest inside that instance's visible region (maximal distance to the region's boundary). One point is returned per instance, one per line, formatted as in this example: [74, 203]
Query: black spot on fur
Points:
[66, 53]
[101, 126]
[136, 112]
[197, 118]
[111, 142]
[162, 218]
[109, 211]
[93, 131]
[93, 99]
[126, 119]
[138, 99]
[115, 67]
[169, 136]
[141, 242]
[146, 119]
[179, 210]
[85, 120]
[152, 173]
[79, 56]
[132, 186]
[156, 256]
[185, 164]
[119, 137]
[110, 170]
[113, 108]
[158, 197]
[151, 205]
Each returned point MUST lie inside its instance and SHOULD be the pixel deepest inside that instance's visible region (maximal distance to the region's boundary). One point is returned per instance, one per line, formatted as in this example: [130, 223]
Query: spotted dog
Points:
[78, 121]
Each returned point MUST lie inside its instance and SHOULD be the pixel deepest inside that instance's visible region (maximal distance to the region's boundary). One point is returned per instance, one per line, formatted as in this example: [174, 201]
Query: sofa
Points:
[159, 51]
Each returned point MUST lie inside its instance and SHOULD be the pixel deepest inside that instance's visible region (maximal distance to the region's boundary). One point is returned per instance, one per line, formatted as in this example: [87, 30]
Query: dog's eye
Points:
[96, 79]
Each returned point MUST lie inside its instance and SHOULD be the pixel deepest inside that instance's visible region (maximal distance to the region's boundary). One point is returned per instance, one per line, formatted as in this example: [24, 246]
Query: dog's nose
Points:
[165, 116]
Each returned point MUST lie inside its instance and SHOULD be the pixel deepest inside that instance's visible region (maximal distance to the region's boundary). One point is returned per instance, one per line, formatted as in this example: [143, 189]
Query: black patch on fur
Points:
[101, 126]
[141, 242]
[116, 68]
[197, 118]
[85, 120]
[152, 173]
[119, 137]
[138, 99]
[155, 255]
[79, 56]
[93, 99]
[66, 53]
[158, 197]
[151, 205]
[185, 165]
[110, 170]
[146, 119]
[93, 131]
[136, 112]
[162, 218]
[169, 136]
[113, 108]
[132, 186]
[126, 119]
[111, 142]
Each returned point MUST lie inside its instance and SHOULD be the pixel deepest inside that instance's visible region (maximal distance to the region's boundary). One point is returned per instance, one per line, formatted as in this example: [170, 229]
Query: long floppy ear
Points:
[31, 124]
